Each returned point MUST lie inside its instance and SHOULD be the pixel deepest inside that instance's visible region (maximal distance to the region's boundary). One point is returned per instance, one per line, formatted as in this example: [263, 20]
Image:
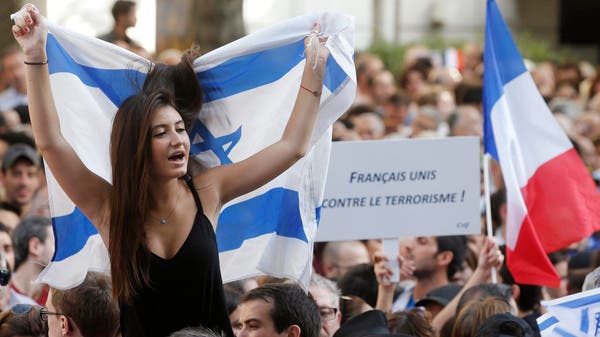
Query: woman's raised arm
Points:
[231, 181]
[87, 190]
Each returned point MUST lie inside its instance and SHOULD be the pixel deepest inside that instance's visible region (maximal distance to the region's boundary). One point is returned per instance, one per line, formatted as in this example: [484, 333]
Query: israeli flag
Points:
[575, 315]
[250, 86]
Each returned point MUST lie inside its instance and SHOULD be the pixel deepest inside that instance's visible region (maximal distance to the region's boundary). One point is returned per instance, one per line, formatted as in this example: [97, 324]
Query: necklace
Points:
[166, 219]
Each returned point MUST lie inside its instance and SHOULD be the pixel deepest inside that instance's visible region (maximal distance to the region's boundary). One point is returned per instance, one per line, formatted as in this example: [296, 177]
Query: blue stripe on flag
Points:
[254, 70]
[116, 84]
[585, 322]
[502, 64]
[580, 302]
[562, 332]
[71, 232]
[229, 78]
[258, 216]
[547, 323]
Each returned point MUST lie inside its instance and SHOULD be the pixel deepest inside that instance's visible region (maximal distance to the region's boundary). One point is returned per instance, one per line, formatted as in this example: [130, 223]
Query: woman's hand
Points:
[31, 33]
[316, 52]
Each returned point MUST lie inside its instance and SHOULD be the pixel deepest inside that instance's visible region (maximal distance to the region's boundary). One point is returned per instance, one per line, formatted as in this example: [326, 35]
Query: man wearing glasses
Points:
[84, 311]
[327, 296]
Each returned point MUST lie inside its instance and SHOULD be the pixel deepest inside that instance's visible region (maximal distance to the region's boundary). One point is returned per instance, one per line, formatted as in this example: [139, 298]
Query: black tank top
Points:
[185, 291]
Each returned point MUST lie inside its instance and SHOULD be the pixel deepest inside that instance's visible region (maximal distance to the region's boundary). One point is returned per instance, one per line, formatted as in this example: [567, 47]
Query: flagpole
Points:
[488, 212]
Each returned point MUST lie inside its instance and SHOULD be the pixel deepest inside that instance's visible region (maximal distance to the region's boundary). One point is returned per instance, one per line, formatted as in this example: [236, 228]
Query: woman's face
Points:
[170, 143]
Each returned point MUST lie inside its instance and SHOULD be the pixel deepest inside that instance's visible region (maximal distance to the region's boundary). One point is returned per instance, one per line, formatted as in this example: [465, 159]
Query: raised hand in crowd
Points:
[384, 273]
[489, 260]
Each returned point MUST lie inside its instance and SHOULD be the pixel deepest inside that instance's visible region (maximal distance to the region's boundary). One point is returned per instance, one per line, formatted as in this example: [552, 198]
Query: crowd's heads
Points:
[340, 256]
[369, 126]
[432, 255]
[414, 322]
[360, 281]
[327, 296]
[22, 320]
[20, 165]
[560, 261]
[274, 308]
[232, 301]
[579, 266]
[6, 245]
[13, 68]
[475, 313]
[124, 13]
[527, 296]
[438, 298]
[592, 280]
[196, 332]
[367, 323]
[88, 309]
[504, 325]
[483, 291]
[33, 240]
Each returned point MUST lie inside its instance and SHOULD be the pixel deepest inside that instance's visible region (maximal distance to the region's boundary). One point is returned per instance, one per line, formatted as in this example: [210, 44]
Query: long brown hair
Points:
[130, 154]
[129, 200]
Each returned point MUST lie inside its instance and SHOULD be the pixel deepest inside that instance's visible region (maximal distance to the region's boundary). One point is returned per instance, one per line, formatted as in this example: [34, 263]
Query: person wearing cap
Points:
[20, 166]
[438, 298]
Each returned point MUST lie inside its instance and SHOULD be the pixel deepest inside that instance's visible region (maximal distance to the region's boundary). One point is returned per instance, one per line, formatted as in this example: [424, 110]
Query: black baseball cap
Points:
[442, 295]
[18, 151]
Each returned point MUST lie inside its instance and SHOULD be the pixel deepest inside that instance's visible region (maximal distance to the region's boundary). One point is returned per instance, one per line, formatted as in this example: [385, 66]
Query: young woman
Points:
[158, 226]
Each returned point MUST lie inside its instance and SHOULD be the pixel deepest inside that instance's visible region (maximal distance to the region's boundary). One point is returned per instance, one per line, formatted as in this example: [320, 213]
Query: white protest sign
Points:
[401, 187]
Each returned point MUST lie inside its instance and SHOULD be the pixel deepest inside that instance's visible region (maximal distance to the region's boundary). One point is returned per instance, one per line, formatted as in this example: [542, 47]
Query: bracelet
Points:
[314, 93]
[36, 63]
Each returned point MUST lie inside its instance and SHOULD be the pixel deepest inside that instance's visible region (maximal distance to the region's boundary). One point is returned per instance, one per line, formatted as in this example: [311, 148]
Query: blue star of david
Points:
[220, 146]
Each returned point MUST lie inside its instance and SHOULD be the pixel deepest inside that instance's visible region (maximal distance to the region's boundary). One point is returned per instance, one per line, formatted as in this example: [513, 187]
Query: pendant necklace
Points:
[166, 219]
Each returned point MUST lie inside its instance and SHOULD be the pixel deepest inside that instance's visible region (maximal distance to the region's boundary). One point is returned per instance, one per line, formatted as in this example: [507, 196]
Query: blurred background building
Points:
[164, 24]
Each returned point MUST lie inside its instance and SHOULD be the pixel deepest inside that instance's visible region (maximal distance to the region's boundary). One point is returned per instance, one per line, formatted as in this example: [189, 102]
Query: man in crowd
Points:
[340, 256]
[124, 14]
[274, 310]
[20, 177]
[87, 310]
[34, 247]
[13, 75]
[327, 296]
[436, 259]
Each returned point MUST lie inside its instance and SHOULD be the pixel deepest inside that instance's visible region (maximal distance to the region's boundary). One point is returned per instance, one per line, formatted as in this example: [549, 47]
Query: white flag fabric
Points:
[575, 315]
[249, 87]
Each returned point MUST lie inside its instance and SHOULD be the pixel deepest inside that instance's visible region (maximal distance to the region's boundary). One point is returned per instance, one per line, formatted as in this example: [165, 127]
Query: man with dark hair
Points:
[34, 247]
[124, 14]
[436, 260]
[360, 281]
[274, 309]
[87, 310]
[20, 176]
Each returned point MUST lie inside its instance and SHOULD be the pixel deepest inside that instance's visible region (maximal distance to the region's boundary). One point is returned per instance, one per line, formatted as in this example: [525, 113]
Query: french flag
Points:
[249, 89]
[551, 198]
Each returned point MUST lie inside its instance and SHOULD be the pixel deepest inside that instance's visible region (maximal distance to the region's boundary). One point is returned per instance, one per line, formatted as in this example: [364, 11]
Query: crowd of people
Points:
[445, 286]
